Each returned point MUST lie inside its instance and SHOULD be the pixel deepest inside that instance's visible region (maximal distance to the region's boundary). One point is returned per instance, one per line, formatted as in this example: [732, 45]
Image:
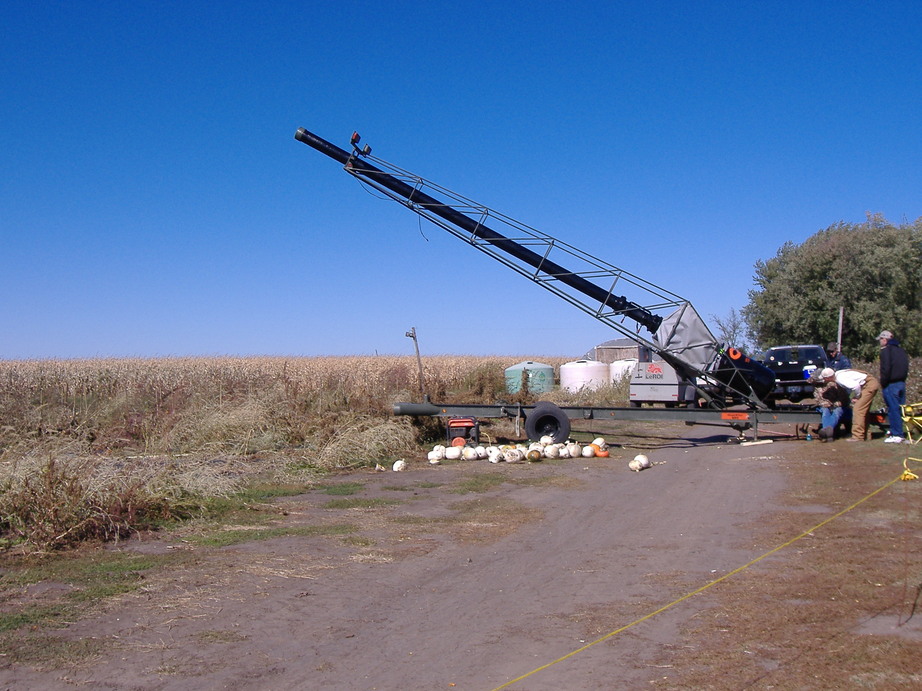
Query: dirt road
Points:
[450, 589]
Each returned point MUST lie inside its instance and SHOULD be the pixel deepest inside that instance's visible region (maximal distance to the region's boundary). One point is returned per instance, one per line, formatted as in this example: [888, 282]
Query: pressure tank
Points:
[538, 377]
[584, 374]
[620, 369]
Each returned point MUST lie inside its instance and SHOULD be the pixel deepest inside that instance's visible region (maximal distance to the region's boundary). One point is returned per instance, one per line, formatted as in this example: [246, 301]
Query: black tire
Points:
[634, 404]
[546, 419]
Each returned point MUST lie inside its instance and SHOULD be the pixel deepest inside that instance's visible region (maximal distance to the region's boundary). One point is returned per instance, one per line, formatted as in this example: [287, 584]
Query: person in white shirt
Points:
[863, 387]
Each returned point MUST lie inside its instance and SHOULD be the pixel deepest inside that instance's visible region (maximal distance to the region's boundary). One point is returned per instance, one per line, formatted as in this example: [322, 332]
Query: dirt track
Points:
[551, 560]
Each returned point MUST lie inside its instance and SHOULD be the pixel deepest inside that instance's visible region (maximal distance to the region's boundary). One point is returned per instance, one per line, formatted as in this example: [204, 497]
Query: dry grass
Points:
[98, 448]
[835, 607]
[95, 448]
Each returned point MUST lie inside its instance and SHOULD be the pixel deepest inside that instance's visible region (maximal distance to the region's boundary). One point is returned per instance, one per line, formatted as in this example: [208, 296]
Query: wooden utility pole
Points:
[839, 334]
[419, 361]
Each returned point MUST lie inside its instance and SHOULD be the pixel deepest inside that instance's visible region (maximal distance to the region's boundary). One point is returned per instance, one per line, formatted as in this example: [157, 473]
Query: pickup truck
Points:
[793, 365]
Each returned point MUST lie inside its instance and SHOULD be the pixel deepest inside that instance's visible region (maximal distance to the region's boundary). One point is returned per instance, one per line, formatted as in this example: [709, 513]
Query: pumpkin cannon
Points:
[656, 319]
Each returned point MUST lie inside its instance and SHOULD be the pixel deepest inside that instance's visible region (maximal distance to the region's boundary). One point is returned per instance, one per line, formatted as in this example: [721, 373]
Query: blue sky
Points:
[154, 202]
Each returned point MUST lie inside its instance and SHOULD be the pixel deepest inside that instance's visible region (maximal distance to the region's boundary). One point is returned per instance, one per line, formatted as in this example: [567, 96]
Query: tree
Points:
[872, 269]
[732, 330]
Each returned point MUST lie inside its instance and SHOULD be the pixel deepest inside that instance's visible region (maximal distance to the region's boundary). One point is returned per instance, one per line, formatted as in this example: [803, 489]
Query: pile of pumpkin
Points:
[546, 447]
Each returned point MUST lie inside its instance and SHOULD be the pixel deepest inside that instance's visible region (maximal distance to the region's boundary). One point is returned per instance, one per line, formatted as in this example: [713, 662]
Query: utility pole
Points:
[419, 361]
[839, 334]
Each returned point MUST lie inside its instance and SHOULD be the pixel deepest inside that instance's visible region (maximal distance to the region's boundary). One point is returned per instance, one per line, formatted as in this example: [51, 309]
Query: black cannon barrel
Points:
[641, 315]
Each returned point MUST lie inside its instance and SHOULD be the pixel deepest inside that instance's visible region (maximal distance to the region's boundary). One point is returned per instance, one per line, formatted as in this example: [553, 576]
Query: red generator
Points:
[463, 431]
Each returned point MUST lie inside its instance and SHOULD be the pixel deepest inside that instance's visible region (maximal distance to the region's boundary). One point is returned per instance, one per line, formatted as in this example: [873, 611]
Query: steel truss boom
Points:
[590, 284]
[468, 221]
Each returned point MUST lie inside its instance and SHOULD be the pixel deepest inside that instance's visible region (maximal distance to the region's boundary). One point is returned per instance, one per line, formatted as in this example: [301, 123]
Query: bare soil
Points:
[572, 574]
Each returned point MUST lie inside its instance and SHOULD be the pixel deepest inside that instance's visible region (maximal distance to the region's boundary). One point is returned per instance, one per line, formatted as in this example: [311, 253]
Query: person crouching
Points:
[861, 387]
[833, 401]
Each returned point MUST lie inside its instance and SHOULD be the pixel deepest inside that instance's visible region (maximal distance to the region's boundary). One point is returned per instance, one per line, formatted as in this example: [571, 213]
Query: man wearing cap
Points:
[894, 368]
[836, 357]
[862, 388]
[832, 399]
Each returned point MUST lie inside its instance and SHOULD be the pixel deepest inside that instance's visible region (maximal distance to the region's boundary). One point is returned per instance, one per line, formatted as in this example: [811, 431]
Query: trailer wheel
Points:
[546, 419]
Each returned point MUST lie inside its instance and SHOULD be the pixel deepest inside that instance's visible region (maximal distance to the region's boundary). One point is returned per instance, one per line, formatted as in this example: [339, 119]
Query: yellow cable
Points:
[712, 583]
[908, 474]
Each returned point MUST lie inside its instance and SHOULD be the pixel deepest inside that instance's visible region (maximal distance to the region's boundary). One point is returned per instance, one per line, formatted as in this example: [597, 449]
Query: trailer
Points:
[719, 383]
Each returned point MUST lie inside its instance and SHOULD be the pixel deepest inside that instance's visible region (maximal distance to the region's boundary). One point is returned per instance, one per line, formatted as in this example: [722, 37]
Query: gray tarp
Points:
[684, 335]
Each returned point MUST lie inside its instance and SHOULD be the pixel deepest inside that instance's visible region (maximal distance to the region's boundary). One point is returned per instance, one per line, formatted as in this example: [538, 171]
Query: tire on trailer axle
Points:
[546, 419]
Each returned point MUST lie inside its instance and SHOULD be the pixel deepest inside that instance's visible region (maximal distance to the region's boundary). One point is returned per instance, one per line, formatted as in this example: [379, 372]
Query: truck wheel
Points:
[546, 419]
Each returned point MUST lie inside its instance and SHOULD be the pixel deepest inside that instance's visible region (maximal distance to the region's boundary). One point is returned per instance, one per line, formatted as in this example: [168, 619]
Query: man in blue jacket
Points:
[894, 368]
[837, 359]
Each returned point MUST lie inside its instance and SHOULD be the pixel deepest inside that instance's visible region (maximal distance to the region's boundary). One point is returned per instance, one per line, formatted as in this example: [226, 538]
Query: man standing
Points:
[894, 368]
[862, 387]
[837, 359]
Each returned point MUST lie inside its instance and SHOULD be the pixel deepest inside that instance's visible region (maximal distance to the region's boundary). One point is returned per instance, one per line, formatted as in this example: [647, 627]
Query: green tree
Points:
[872, 269]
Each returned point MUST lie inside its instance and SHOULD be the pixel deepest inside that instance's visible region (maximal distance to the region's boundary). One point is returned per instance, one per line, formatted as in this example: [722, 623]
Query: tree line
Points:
[872, 269]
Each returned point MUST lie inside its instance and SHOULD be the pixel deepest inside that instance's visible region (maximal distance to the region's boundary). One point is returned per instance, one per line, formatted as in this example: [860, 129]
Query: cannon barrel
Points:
[639, 314]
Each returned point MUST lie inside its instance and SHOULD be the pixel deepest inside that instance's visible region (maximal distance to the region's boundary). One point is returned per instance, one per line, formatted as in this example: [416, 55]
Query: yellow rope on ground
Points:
[714, 582]
[908, 474]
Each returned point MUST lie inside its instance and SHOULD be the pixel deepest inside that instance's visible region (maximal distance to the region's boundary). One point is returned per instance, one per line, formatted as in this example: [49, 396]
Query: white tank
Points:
[584, 374]
[620, 369]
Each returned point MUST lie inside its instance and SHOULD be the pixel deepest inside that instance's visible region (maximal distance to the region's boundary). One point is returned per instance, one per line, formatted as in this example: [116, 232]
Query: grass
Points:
[766, 627]
[341, 489]
[79, 580]
[236, 536]
[360, 503]
[479, 482]
[41, 650]
[215, 636]
[96, 450]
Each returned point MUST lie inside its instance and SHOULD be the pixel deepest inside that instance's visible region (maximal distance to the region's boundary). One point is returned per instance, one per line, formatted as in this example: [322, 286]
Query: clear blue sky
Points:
[154, 202]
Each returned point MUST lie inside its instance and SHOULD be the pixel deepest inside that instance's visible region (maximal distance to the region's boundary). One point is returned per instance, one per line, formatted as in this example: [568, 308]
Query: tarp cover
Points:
[684, 335]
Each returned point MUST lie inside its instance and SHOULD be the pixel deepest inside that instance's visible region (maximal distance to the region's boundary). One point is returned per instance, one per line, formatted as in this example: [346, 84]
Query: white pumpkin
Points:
[468, 453]
[564, 451]
[481, 452]
[513, 456]
[552, 451]
[588, 452]
[452, 453]
[600, 442]
[435, 457]
[575, 449]
[547, 439]
[640, 462]
[399, 465]
[494, 455]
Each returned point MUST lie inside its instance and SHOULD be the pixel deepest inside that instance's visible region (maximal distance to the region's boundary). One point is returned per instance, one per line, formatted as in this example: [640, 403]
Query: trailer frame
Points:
[740, 419]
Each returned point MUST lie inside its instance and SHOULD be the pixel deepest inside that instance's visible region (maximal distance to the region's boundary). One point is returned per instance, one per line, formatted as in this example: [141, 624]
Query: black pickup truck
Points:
[793, 365]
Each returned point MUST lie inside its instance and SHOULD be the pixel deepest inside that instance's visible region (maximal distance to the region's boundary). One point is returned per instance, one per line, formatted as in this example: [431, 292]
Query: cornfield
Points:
[240, 405]
[94, 448]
